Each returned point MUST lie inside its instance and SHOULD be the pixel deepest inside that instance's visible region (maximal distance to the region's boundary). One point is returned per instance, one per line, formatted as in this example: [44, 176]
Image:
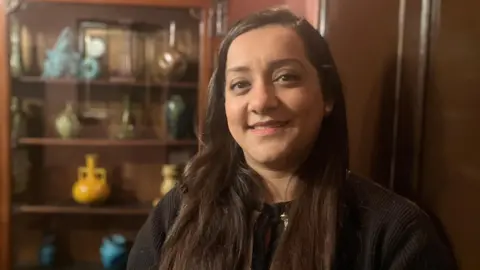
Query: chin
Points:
[267, 156]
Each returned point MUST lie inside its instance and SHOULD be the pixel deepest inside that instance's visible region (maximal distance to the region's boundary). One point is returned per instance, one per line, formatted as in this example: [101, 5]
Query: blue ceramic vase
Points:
[113, 252]
[48, 250]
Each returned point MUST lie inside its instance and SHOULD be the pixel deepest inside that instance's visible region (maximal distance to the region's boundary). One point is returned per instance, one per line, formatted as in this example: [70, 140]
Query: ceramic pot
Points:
[113, 252]
[175, 109]
[91, 186]
[67, 124]
[48, 251]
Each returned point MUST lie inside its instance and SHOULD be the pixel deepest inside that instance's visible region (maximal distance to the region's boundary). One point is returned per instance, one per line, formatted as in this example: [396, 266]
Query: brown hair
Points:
[213, 229]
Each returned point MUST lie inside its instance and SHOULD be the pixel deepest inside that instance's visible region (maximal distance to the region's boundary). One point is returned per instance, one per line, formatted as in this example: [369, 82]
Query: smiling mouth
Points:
[268, 127]
[268, 124]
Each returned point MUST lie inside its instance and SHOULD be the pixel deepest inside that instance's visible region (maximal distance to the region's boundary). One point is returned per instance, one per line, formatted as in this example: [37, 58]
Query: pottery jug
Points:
[127, 125]
[67, 123]
[169, 173]
[171, 64]
[91, 186]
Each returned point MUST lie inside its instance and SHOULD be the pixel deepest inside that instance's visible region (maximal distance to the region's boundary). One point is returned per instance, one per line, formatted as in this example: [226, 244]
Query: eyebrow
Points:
[272, 65]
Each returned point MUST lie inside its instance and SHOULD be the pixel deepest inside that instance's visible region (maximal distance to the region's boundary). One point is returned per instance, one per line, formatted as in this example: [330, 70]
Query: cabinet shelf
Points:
[103, 142]
[72, 81]
[73, 209]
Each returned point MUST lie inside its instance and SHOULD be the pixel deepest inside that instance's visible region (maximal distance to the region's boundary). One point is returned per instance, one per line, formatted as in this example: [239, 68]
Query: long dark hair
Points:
[213, 228]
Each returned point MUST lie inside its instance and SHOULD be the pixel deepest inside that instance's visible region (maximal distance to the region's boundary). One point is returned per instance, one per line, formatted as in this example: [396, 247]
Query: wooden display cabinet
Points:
[36, 154]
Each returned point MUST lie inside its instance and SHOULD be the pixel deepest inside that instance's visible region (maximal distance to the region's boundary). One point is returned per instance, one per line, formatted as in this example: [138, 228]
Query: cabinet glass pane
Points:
[104, 105]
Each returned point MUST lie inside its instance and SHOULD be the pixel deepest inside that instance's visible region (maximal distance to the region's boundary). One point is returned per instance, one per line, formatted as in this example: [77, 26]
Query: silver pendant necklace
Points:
[284, 218]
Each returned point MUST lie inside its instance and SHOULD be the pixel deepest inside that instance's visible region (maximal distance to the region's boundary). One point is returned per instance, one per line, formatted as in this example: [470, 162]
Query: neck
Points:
[279, 184]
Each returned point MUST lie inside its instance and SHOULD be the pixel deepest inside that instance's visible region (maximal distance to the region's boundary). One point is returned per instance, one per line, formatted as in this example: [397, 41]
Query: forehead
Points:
[265, 44]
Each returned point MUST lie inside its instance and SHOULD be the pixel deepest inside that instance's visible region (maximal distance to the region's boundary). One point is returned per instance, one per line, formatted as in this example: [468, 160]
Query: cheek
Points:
[235, 114]
[307, 106]
[315, 106]
[309, 111]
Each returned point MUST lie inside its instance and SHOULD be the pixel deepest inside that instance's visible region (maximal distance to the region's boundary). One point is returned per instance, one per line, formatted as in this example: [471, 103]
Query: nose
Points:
[263, 98]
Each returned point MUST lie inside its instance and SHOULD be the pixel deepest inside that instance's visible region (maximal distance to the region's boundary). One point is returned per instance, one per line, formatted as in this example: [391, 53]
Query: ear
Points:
[329, 105]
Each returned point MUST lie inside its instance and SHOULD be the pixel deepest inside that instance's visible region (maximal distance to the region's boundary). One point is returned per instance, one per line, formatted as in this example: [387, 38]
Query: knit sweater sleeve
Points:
[416, 245]
[149, 240]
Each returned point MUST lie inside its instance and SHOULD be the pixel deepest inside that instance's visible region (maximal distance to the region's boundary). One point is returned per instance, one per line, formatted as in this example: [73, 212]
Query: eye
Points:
[287, 78]
[239, 86]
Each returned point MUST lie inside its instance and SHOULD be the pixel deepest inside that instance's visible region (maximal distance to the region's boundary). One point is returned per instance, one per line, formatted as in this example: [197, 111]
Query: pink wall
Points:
[306, 8]
[241, 8]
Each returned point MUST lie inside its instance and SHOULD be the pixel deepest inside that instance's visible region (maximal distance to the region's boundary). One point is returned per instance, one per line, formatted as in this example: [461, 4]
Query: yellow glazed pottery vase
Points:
[169, 173]
[91, 186]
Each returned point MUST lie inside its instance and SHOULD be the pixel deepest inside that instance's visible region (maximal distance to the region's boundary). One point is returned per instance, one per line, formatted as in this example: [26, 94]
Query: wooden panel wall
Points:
[450, 175]
[363, 40]
[410, 70]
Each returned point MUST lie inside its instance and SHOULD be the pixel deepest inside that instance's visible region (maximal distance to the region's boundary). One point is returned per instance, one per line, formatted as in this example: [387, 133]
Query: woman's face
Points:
[273, 99]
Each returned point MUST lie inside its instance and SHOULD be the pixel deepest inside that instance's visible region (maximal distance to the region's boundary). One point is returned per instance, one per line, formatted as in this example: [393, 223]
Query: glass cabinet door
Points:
[104, 103]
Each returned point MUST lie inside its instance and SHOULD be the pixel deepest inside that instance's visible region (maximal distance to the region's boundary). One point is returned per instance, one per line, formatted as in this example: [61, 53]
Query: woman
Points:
[270, 188]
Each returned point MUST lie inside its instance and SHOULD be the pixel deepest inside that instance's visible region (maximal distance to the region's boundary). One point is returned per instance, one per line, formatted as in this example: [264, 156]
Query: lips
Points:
[268, 125]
